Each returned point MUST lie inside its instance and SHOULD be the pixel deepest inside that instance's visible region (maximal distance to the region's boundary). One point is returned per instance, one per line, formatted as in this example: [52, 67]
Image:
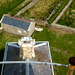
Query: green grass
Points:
[18, 8]
[68, 18]
[63, 42]
[40, 10]
[52, 18]
[8, 5]
[6, 37]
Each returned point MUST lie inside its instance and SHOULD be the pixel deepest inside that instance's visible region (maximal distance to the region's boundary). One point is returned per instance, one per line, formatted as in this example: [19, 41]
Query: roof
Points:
[42, 54]
[16, 22]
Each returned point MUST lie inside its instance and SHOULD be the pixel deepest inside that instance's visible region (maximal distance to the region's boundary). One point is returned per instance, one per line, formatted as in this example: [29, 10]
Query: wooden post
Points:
[71, 66]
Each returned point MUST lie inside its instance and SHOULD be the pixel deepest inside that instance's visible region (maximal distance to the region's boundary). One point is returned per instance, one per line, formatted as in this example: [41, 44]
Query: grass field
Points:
[19, 7]
[53, 17]
[8, 5]
[40, 10]
[68, 18]
[61, 43]
[62, 46]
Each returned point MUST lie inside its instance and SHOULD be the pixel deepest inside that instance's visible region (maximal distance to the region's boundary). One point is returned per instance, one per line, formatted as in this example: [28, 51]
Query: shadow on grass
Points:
[1, 58]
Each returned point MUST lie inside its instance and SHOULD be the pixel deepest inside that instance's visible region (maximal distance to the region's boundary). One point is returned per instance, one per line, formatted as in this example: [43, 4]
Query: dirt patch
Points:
[73, 11]
[39, 10]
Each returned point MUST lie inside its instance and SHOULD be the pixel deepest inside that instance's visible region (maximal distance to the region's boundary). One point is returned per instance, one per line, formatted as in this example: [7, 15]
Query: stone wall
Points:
[59, 16]
[14, 30]
[27, 7]
[62, 12]
[38, 22]
[63, 27]
[31, 28]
